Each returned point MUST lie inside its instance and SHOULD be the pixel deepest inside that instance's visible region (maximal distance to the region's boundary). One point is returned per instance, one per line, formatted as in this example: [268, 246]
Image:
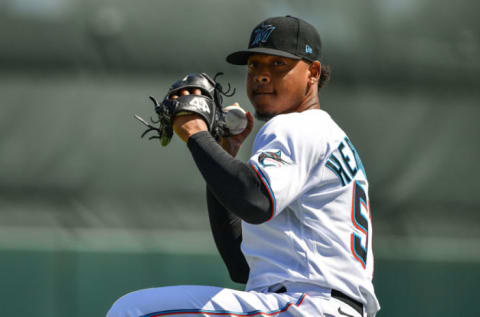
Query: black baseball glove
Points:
[208, 105]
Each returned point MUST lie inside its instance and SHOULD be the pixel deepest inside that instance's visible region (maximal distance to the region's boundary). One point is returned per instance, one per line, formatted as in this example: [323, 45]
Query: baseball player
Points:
[294, 222]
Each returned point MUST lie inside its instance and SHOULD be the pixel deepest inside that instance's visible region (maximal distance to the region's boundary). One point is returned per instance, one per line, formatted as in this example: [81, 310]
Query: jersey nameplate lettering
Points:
[346, 163]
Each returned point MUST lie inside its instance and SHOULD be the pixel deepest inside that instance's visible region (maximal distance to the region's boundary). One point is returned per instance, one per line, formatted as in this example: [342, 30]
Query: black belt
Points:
[349, 301]
[340, 296]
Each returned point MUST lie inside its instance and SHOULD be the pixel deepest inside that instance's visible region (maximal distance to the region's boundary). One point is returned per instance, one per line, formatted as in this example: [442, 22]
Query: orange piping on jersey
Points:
[269, 190]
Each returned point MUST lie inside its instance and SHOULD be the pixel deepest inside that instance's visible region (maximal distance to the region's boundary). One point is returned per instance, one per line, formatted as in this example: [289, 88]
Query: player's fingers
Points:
[249, 121]
[249, 127]
[185, 92]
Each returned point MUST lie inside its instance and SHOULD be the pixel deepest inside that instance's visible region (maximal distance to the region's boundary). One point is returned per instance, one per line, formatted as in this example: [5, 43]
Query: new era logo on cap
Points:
[281, 36]
[308, 49]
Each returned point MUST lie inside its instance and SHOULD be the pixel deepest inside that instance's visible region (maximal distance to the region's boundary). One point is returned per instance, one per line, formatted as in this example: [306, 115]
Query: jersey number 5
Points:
[359, 202]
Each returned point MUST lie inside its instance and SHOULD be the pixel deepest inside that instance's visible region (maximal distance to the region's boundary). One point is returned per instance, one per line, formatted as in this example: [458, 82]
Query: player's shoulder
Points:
[299, 124]
[308, 129]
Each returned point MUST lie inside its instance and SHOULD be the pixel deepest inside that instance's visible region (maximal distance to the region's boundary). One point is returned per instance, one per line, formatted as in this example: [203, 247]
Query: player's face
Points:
[276, 84]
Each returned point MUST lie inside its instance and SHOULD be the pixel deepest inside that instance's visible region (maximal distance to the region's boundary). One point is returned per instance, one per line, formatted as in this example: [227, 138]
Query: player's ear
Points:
[315, 70]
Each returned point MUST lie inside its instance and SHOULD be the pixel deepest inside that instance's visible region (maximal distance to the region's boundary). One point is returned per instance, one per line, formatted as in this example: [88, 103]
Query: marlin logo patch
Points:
[262, 34]
[271, 159]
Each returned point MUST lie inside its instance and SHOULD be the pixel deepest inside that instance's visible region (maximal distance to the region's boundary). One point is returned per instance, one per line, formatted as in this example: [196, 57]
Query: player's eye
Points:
[278, 62]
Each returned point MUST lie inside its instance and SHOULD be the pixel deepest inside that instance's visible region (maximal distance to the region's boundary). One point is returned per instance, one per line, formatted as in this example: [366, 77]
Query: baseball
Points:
[235, 119]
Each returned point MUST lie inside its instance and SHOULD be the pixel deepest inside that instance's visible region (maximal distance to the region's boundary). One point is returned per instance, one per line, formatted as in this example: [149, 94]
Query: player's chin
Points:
[265, 113]
[266, 106]
[264, 116]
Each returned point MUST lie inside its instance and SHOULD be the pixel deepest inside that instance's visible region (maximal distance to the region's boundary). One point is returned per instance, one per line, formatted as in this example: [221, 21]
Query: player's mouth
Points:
[263, 97]
[263, 92]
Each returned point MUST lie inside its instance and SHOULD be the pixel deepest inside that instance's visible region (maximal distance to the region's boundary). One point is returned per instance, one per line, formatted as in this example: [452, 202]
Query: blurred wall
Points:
[89, 211]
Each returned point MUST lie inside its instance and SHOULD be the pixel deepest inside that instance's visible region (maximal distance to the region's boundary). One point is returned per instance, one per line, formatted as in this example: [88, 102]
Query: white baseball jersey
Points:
[320, 231]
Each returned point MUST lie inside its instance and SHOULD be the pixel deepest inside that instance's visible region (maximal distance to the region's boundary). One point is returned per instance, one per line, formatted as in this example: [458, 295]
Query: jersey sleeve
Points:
[285, 152]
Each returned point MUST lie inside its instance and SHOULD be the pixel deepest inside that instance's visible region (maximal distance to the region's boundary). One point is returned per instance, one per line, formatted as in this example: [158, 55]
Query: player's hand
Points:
[187, 125]
[233, 143]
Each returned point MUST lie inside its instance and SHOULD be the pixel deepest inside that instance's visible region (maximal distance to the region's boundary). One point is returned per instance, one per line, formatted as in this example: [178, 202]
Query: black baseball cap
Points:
[281, 36]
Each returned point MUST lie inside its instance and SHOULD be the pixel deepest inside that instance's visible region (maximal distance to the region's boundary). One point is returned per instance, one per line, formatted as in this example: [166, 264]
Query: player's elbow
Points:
[256, 207]
[256, 218]
[237, 266]
[239, 275]
[254, 213]
[239, 279]
[260, 204]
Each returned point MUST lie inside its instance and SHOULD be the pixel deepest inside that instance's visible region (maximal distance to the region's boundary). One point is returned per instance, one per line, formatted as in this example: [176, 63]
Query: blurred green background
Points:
[89, 211]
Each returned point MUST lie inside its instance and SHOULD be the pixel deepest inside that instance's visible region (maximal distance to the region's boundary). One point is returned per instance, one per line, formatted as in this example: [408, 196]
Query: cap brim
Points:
[241, 57]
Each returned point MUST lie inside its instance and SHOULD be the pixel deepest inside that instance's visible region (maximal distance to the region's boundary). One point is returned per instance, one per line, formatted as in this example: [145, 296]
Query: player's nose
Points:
[262, 78]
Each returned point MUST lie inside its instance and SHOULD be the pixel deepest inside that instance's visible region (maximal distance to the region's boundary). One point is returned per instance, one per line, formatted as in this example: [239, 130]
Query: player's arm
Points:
[227, 227]
[234, 183]
[227, 233]
[218, 165]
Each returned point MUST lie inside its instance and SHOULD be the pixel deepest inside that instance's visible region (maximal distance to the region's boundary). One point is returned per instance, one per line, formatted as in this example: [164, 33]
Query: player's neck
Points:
[309, 102]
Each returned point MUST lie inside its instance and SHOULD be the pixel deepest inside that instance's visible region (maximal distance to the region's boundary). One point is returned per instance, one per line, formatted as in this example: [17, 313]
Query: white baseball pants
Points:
[208, 301]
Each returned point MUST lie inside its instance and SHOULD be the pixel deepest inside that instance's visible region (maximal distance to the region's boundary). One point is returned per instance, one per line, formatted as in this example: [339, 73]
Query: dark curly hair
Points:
[324, 76]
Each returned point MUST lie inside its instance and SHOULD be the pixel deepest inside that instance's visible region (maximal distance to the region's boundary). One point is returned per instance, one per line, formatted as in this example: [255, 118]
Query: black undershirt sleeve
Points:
[232, 182]
[227, 233]
[234, 193]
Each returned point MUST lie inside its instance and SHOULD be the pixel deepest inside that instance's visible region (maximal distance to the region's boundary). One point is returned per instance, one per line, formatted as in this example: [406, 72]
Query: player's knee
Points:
[124, 307]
